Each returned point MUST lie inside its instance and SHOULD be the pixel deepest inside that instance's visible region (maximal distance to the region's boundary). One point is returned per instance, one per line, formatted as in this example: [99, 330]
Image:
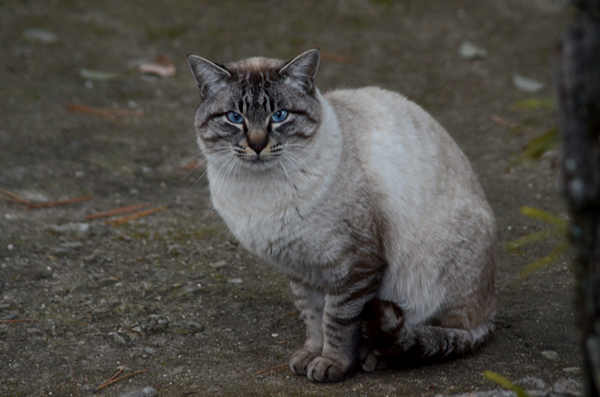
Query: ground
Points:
[172, 292]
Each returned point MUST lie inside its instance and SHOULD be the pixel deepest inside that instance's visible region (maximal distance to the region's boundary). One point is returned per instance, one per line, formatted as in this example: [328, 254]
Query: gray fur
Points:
[363, 201]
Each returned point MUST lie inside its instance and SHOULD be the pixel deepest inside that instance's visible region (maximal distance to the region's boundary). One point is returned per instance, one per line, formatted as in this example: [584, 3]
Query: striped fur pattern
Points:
[362, 200]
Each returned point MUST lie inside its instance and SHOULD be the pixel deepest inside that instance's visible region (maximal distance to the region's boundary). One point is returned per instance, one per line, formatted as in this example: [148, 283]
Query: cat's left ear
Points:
[302, 70]
[209, 76]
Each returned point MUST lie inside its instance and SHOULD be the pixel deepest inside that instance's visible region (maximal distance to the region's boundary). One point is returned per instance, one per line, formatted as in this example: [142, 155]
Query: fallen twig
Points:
[10, 196]
[272, 370]
[162, 66]
[114, 378]
[18, 321]
[124, 219]
[107, 113]
[116, 211]
[55, 203]
[514, 126]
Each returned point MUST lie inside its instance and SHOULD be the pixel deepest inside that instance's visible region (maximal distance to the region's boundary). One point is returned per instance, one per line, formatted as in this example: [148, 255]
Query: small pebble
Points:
[39, 35]
[145, 392]
[118, 338]
[527, 85]
[218, 264]
[572, 370]
[470, 51]
[150, 350]
[568, 387]
[550, 355]
[531, 383]
[235, 281]
[71, 245]
[71, 227]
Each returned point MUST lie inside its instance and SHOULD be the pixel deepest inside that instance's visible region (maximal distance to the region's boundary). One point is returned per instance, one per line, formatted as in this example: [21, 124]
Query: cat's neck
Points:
[299, 178]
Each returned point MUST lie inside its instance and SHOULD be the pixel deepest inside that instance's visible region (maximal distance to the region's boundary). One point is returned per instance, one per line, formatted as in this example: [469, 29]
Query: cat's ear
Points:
[209, 76]
[301, 71]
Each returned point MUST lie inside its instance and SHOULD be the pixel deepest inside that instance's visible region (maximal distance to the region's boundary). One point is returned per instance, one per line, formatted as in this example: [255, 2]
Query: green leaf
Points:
[502, 381]
[547, 217]
[534, 104]
[545, 261]
[539, 145]
[534, 238]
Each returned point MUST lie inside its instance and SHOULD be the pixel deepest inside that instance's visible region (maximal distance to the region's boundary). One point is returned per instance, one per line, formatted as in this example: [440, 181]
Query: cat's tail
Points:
[394, 343]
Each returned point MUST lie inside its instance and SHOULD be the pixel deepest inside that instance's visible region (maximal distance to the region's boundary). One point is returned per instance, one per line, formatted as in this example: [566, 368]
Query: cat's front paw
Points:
[323, 369]
[300, 361]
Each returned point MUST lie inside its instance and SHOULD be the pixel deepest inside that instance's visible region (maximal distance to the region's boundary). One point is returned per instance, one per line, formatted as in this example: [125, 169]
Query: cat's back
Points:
[407, 156]
[402, 148]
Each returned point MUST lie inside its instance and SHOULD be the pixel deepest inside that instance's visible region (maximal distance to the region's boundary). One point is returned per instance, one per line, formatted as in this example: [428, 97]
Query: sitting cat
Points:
[362, 200]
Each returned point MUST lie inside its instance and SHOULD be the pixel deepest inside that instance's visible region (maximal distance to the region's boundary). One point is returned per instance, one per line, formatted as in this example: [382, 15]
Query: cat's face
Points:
[258, 113]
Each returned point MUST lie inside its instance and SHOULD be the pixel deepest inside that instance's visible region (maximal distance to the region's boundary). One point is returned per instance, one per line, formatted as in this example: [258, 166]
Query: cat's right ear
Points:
[302, 70]
[209, 76]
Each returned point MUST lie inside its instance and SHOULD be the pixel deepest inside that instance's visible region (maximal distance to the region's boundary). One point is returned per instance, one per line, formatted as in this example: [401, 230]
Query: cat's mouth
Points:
[257, 160]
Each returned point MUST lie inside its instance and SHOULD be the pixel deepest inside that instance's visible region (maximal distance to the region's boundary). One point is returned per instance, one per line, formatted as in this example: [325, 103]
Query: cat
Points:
[362, 200]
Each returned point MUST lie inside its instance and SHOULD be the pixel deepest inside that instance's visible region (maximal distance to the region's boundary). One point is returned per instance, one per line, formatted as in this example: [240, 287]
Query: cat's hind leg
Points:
[381, 321]
[386, 338]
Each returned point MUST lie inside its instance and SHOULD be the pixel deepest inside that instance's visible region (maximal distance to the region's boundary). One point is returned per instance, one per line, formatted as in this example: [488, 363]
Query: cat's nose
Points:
[257, 145]
[257, 141]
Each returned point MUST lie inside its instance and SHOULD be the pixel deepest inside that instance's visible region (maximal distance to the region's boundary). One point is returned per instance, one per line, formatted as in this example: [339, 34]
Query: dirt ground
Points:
[172, 292]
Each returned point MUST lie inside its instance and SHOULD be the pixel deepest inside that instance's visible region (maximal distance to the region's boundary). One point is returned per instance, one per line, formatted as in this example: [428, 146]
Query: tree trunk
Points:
[578, 83]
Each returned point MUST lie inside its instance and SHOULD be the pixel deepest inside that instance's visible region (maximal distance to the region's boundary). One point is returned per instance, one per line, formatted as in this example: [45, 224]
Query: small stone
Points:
[72, 245]
[150, 350]
[218, 264]
[175, 249]
[572, 370]
[145, 392]
[568, 387]
[527, 85]
[186, 327]
[118, 338]
[470, 51]
[550, 355]
[138, 330]
[71, 227]
[235, 281]
[39, 35]
[531, 383]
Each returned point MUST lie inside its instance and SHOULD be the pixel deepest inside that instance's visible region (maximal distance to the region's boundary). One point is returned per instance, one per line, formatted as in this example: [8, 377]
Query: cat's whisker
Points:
[290, 160]
[293, 158]
[223, 162]
[287, 178]
[208, 166]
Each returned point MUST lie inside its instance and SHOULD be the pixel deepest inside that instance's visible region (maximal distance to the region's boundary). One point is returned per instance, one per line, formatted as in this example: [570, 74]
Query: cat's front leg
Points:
[310, 303]
[341, 326]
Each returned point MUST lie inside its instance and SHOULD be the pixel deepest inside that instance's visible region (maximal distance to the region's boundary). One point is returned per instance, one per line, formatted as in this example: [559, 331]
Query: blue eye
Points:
[234, 117]
[279, 116]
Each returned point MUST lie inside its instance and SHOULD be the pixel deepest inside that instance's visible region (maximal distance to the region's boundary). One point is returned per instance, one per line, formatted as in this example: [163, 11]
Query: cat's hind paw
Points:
[300, 361]
[323, 369]
[373, 362]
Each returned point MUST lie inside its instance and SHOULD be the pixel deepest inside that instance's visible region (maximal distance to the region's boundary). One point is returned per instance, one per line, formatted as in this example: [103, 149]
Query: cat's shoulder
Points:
[372, 98]
[364, 94]
[373, 102]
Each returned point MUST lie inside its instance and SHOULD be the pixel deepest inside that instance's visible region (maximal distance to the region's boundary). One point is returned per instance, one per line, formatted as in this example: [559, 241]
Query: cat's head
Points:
[257, 112]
